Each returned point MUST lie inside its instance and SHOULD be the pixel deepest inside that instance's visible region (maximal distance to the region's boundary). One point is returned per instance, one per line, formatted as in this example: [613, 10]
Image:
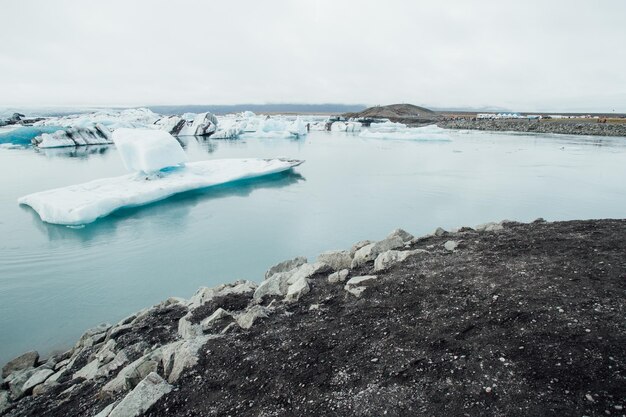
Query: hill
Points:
[402, 113]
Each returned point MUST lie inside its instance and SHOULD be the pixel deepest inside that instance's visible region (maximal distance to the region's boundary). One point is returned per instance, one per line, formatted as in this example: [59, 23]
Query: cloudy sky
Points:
[522, 55]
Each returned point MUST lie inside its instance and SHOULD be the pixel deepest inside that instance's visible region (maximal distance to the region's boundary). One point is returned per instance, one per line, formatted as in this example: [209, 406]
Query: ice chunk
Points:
[112, 119]
[430, 133]
[148, 150]
[202, 125]
[74, 136]
[84, 203]
[387, 127]
[345, 127]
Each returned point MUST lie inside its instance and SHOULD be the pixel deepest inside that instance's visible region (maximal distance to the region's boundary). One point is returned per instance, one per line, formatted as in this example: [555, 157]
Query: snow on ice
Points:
[148, 150]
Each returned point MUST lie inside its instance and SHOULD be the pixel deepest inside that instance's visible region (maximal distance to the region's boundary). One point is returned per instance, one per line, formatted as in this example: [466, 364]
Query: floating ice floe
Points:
[154, 154]
[345, 126]
[430, 133]
[189, 124]
[112, 119]
[74, 136]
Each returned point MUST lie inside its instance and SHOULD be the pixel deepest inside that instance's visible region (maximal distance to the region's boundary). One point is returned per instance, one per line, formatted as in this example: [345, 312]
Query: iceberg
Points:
[112, 119]
[85, 203]
[147, 150]
[74, 136]
[345, 127]
[430, 133]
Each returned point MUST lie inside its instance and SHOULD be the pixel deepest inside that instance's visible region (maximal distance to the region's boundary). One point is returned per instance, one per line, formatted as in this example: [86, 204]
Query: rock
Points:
[188, 330]
[61, 364]
[106, 352]
[355, 285]
[55, 376]
[204, 294]
[336, 259]
[339, 276]
[278, 284]
[489, 227]
[297, 289]
[402, 234]
[178, 356]
[392, 257]
[247, 319]
[358, 246]
[451, 245]
[142, 397]
[88, 371]
[119, 330]
[439, 232]
[43, 388]
[106, 411]
[286, 266]
[217, 315]
[133, 373]
[39, 377]
[370, 252]
[120, 360]
[24, 361]
[17, 380]
[4, 401]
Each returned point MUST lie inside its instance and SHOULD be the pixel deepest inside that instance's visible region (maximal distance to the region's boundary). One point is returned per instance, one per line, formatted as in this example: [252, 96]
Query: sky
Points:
[531, 55]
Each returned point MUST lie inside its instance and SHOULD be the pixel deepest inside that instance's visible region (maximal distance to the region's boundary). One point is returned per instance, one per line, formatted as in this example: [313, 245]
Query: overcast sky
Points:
[521, 55]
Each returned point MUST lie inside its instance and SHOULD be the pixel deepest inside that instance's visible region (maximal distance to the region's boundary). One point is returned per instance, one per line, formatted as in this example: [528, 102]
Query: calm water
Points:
[57, 281]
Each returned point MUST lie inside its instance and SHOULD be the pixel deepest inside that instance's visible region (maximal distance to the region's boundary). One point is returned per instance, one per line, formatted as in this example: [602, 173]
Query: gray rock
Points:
[142, 397]
[358, 246]
[55, 376]
[178, 356]
[188, 330]
[297, 289]
[285, 266]
[391, 257]
[39, 377]
[370, 252]
[247, 319]
[88, 371]
[204, 294]
[451, 245]
[356, 285]
[93, 336]
[402, 234]
[120, 360]
[217, 315]
[106, 411]
[489, 227]
[24, 361]
[4, 401]
[17, 380]
[339, 276]
[278, 284]
[336, 259]
[131, 374]
[43, 388]
[439, 232]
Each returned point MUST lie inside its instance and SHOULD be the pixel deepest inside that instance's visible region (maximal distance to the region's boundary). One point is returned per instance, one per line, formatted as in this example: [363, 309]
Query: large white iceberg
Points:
[84, 203]
[112, 119]
[148, 150]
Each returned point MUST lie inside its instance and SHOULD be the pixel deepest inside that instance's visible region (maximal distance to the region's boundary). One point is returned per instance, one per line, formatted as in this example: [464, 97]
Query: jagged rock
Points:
[17, 380]
[142, 397]
[188, 330]
[402, 234]
[286, 266]
[278, 283]
[178, 356]
[88, 371]
[24, 361]
[358, 246]
[106, 411]
[451, 245]
[489, 227]
[297, 289]
[55, 376]
[119, 330]
[4, 401]
[439, 232]
[217, 315]
[118, 361]
[339, 276]
[205, 294]
[355, 285]
[392, 257]
[336, 259]
[43, 388]
[106, 352]
[39, 377]
[61, 364]
[371, 251]
[247, 319]
[131, 374]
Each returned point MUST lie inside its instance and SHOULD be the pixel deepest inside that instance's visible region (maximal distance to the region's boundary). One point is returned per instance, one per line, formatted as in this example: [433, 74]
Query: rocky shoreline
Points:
[537, 126]
[501, 319]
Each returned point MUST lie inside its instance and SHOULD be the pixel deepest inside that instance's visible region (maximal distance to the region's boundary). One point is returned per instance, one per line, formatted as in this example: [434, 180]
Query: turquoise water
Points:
[57, 281]
[24, 134]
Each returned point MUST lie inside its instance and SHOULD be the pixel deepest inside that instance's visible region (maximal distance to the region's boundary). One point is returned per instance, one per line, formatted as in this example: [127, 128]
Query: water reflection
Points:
[173, 210]
[80, 152]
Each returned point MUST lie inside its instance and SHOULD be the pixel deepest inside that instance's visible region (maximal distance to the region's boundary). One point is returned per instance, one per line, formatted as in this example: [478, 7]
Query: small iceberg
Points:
[160, 173]
[399, 131]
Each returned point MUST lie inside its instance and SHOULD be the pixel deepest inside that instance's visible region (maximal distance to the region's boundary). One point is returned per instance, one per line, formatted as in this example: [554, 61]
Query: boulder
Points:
[489, 227]
[358, 246]
[402, 234]
[370, 252]
[24, 361]
[88, 371]
[278, 284]
[142, 397]
[4, 401]
[337, 260]
[439, 232]
[297, 289]
[451, 245]
[392, 257]
[39, 377]
[178, 356]
[246, 320]
[217, 316]
[356, 285]
[188, 330]
[17, 380]
[43, 388]
[106, 411]
[118, 361]
[286, 266]
[205, 294]
[339, 276]
[129, 376]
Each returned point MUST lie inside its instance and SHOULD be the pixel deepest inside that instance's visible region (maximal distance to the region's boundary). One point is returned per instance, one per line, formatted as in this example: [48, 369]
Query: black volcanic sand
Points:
[527, 321]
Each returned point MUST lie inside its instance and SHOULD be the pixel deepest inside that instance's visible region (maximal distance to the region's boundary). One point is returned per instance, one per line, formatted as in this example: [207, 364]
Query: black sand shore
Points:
[565, 127]
[505, 319]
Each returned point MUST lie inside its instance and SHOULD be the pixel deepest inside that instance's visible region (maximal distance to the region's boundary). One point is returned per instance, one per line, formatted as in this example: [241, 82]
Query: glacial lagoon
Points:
[57, 281]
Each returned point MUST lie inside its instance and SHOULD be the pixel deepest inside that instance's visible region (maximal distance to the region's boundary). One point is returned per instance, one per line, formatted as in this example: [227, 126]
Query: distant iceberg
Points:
[74, 136]
[161, 171]
[430, 133]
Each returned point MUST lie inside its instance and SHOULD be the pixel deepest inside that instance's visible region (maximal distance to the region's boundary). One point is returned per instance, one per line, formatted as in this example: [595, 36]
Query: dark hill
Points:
[403, 113]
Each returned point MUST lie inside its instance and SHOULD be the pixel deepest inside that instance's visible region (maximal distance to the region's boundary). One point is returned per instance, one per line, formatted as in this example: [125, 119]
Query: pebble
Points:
[488, 390]
[589, 398]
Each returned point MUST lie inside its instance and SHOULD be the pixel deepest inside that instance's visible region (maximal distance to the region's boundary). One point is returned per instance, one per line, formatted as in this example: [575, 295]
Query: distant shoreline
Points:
[587, 127]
